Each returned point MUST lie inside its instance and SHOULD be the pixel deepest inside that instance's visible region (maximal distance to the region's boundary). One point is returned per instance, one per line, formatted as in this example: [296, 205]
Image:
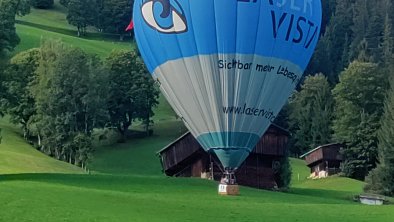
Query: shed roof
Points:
[317, 148]
[282, 130]
[172, 143]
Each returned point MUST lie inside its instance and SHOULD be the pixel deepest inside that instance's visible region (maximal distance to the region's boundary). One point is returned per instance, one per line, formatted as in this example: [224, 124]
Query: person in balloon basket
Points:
[227, 180]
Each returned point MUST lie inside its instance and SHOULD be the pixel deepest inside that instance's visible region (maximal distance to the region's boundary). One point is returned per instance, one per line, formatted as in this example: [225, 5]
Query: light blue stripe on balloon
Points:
[232, 148]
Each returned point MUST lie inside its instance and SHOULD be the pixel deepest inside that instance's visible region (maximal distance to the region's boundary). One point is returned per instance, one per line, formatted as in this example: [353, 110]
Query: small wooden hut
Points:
[324, 160]
[186, 158]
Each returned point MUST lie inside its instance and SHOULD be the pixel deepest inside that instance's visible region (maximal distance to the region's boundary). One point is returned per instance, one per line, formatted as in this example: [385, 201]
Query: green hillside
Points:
[126, 183]
[41, 24]
[16, 156]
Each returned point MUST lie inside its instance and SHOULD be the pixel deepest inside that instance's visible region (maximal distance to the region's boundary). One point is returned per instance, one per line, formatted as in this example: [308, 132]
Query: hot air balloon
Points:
[227, 66]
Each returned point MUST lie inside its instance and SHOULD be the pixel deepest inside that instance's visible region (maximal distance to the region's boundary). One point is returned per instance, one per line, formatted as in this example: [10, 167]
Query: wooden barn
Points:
[324, 160]
[186, 158]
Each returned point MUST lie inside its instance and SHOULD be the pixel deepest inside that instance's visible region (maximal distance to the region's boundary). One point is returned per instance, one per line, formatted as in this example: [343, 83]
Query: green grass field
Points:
[41, 25]
[32, 37]
[126, 183]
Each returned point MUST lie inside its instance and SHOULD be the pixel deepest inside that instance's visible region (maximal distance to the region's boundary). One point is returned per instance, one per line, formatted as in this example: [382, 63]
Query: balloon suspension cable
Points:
[218, 164]
[229, 177]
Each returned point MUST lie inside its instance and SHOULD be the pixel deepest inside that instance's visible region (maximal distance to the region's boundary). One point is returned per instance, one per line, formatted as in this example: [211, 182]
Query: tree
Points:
[340, 24]
[381, 179]
[8, 9]
[2, 89]
[115, 15]
[81, 13]
[42, 4]
[321, 62]
[359, 27]
[328, 57]
[311, 114]
[69, 100]
[358, 106]
[18, 101]
[132, 93]
[328, 7]
[375, 31]
[387, 45]
[64, 2]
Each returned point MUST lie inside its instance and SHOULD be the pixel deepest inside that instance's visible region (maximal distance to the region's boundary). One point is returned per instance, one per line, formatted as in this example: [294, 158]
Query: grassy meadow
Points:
[41, 24]
[125, 182]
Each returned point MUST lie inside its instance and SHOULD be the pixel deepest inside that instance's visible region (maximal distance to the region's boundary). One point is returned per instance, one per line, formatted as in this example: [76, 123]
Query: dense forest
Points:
[347, 95]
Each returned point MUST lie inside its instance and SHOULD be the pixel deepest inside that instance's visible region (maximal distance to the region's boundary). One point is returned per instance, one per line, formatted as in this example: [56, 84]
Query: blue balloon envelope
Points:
[227, 66]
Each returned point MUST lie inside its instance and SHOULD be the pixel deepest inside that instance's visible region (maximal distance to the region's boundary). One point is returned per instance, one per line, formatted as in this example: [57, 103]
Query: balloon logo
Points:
[171, 18]
[227, 66]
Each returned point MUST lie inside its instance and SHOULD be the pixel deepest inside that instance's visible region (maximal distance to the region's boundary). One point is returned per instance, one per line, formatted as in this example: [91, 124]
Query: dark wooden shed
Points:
[186, 158]
[324, 160]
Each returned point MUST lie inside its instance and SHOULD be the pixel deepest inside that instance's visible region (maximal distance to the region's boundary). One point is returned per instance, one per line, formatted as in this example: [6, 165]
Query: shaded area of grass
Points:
[137, 156]
[88, 36]
[32, 37]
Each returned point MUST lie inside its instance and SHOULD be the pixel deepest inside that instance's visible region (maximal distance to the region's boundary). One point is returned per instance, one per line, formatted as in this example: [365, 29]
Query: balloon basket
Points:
[228, 185]
[228, 190]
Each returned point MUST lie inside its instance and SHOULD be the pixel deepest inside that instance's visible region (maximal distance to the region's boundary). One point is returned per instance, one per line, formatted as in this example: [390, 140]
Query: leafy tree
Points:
[42, 4]
[81, 13]
[358, 106]
[69, 101]
[311, 114]
[8, 9]
[64, 2]
[132, 93]
[381, 179]
[115, 15]
[18, 100]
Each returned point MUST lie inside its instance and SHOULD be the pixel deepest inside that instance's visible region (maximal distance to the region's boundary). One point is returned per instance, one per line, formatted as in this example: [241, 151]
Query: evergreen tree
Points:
[328, 7]
[2, 89]
[311, 114]
[375, 31]
[321, 61]
[345, 60]
[358, 107]
[359, 27]
[381, 179]
[387, 45]
[328, 54]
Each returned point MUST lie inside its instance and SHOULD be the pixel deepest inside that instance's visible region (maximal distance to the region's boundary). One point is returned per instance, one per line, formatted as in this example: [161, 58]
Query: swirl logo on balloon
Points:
[165, 16]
